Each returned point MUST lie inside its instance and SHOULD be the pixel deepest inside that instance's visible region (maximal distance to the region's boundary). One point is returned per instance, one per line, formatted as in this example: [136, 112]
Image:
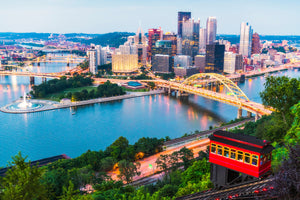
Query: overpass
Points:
[32, 74]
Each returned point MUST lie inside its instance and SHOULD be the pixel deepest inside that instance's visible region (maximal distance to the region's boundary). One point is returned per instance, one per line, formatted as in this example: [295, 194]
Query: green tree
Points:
[22, 181]
[281, 93]
[128, 170]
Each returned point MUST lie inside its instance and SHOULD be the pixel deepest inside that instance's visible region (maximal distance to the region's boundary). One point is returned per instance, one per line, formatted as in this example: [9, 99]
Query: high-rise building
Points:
[140, 41]
[163, 47]
[124, 63]
[92, 54]
[202, 39]
[211, 28]
[255, 44]
[161, 63]
[101, 55]
[153, 36]
[172, 37]
[181, 17]
[190, 37]
[245, 39]
[214, 58]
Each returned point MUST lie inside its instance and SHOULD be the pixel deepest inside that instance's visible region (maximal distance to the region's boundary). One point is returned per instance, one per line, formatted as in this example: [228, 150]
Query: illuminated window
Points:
[254, 160]
[213, 148]
[226, 152]
[220, 150]
[261, 159]
[233, 154]
[240, 156]
[247, 158]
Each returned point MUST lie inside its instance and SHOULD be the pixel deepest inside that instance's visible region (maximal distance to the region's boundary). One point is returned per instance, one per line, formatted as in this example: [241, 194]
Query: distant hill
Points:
[114, 39]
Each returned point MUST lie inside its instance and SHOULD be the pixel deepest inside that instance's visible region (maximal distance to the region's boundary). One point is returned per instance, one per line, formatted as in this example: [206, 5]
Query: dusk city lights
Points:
[149, 100]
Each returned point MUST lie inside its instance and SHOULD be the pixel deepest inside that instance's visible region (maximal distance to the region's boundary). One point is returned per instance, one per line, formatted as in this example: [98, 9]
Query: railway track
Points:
[251, 190]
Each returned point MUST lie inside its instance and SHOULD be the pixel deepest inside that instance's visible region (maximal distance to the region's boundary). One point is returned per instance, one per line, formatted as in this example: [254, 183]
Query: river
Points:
[94, 127]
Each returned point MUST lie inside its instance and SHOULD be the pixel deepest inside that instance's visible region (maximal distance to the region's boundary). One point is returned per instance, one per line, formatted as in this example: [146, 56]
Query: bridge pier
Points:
[249, 114]
[44, 79]
[31, 80]
[240, 113]
[68, 64]
[38, 64]
[256, 117]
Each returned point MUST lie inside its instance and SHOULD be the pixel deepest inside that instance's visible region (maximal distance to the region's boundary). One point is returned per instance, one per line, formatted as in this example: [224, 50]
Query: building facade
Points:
[181, 17]
[153, 36]
[161, 63]
[92, 54]
[214, 60]
[124, 63]
[246, 39]
[200, 63]
[255, 49]
[202, 39]
[211, 28]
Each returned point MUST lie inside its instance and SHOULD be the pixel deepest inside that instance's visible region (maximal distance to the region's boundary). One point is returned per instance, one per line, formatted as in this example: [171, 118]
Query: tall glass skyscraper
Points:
[202, 39]
[211, 27]
[246, 39]
[182, 16]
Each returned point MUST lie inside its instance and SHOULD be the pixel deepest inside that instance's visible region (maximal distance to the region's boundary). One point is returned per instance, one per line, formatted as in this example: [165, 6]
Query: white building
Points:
[211, 27]
[92, 60]
[101, 58]
[246, 39]
[232, 62]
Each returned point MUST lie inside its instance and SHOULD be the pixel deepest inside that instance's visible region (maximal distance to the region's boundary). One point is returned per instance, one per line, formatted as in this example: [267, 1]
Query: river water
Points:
[94, 127]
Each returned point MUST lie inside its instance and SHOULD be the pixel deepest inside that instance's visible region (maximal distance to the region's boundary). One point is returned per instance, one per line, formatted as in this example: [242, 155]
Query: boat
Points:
[73, 113]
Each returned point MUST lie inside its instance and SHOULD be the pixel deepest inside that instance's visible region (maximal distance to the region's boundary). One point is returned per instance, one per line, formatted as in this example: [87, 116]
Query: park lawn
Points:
[55, 96]
[137, 90]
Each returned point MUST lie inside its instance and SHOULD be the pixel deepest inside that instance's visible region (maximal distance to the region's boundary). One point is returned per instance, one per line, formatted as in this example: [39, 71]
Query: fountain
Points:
[25, 104]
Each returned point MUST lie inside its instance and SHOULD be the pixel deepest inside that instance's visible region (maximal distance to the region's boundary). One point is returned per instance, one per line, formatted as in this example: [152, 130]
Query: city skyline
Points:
[65, 16]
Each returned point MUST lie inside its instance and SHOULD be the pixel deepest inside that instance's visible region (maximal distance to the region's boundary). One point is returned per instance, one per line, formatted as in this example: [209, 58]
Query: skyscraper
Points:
[211, 28]
[181, 17]
[246, 39]
[202, 39]
[214, 58]
[153, 36]
[190, 37]
[255, 44]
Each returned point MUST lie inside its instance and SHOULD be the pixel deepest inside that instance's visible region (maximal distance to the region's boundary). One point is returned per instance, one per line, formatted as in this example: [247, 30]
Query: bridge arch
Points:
[230, 85]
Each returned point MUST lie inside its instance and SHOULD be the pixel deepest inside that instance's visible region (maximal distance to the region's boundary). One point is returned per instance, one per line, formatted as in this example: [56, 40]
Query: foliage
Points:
[149, 146]
[56, 85]
[107, 89]
[166, 76]
[128, 170]
[84, 65]
[287, 180]
[142, 76]
[22, 181]
[151, 85]
[281, 93]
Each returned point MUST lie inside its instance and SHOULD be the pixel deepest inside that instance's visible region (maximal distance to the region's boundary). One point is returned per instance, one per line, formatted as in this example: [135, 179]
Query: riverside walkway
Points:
[51, 105]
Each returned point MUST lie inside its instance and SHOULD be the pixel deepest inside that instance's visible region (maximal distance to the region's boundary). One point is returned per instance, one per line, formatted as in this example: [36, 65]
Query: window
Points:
[213, 148]
[247, 158]
[220, 150]
[233, 154]
[254, 160]
[261, 159]
[226, 152]
[240, 156]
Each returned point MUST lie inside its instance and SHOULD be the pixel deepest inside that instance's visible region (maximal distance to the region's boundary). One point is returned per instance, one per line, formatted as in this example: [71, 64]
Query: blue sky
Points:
[276, 17]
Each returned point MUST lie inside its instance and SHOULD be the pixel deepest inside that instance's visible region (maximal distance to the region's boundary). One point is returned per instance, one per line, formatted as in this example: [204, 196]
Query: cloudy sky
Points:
[273, 17]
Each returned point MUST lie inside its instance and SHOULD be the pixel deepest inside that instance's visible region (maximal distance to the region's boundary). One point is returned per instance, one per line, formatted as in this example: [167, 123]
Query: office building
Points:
[202, 39]
[92, 55]
[172, 37]
[153, 36]
[124, 63]
[245, 40]
[164, 47]
[190, 37]
[182, 61]
[161, 63]
[214, 60]
[211, 28]
[185, 71]
[255, 44]
[101, 55]
[181, 17]
[200, 63]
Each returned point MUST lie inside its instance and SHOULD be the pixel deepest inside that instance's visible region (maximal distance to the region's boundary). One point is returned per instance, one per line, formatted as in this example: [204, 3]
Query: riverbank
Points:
[52, 105]
[264, 71]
